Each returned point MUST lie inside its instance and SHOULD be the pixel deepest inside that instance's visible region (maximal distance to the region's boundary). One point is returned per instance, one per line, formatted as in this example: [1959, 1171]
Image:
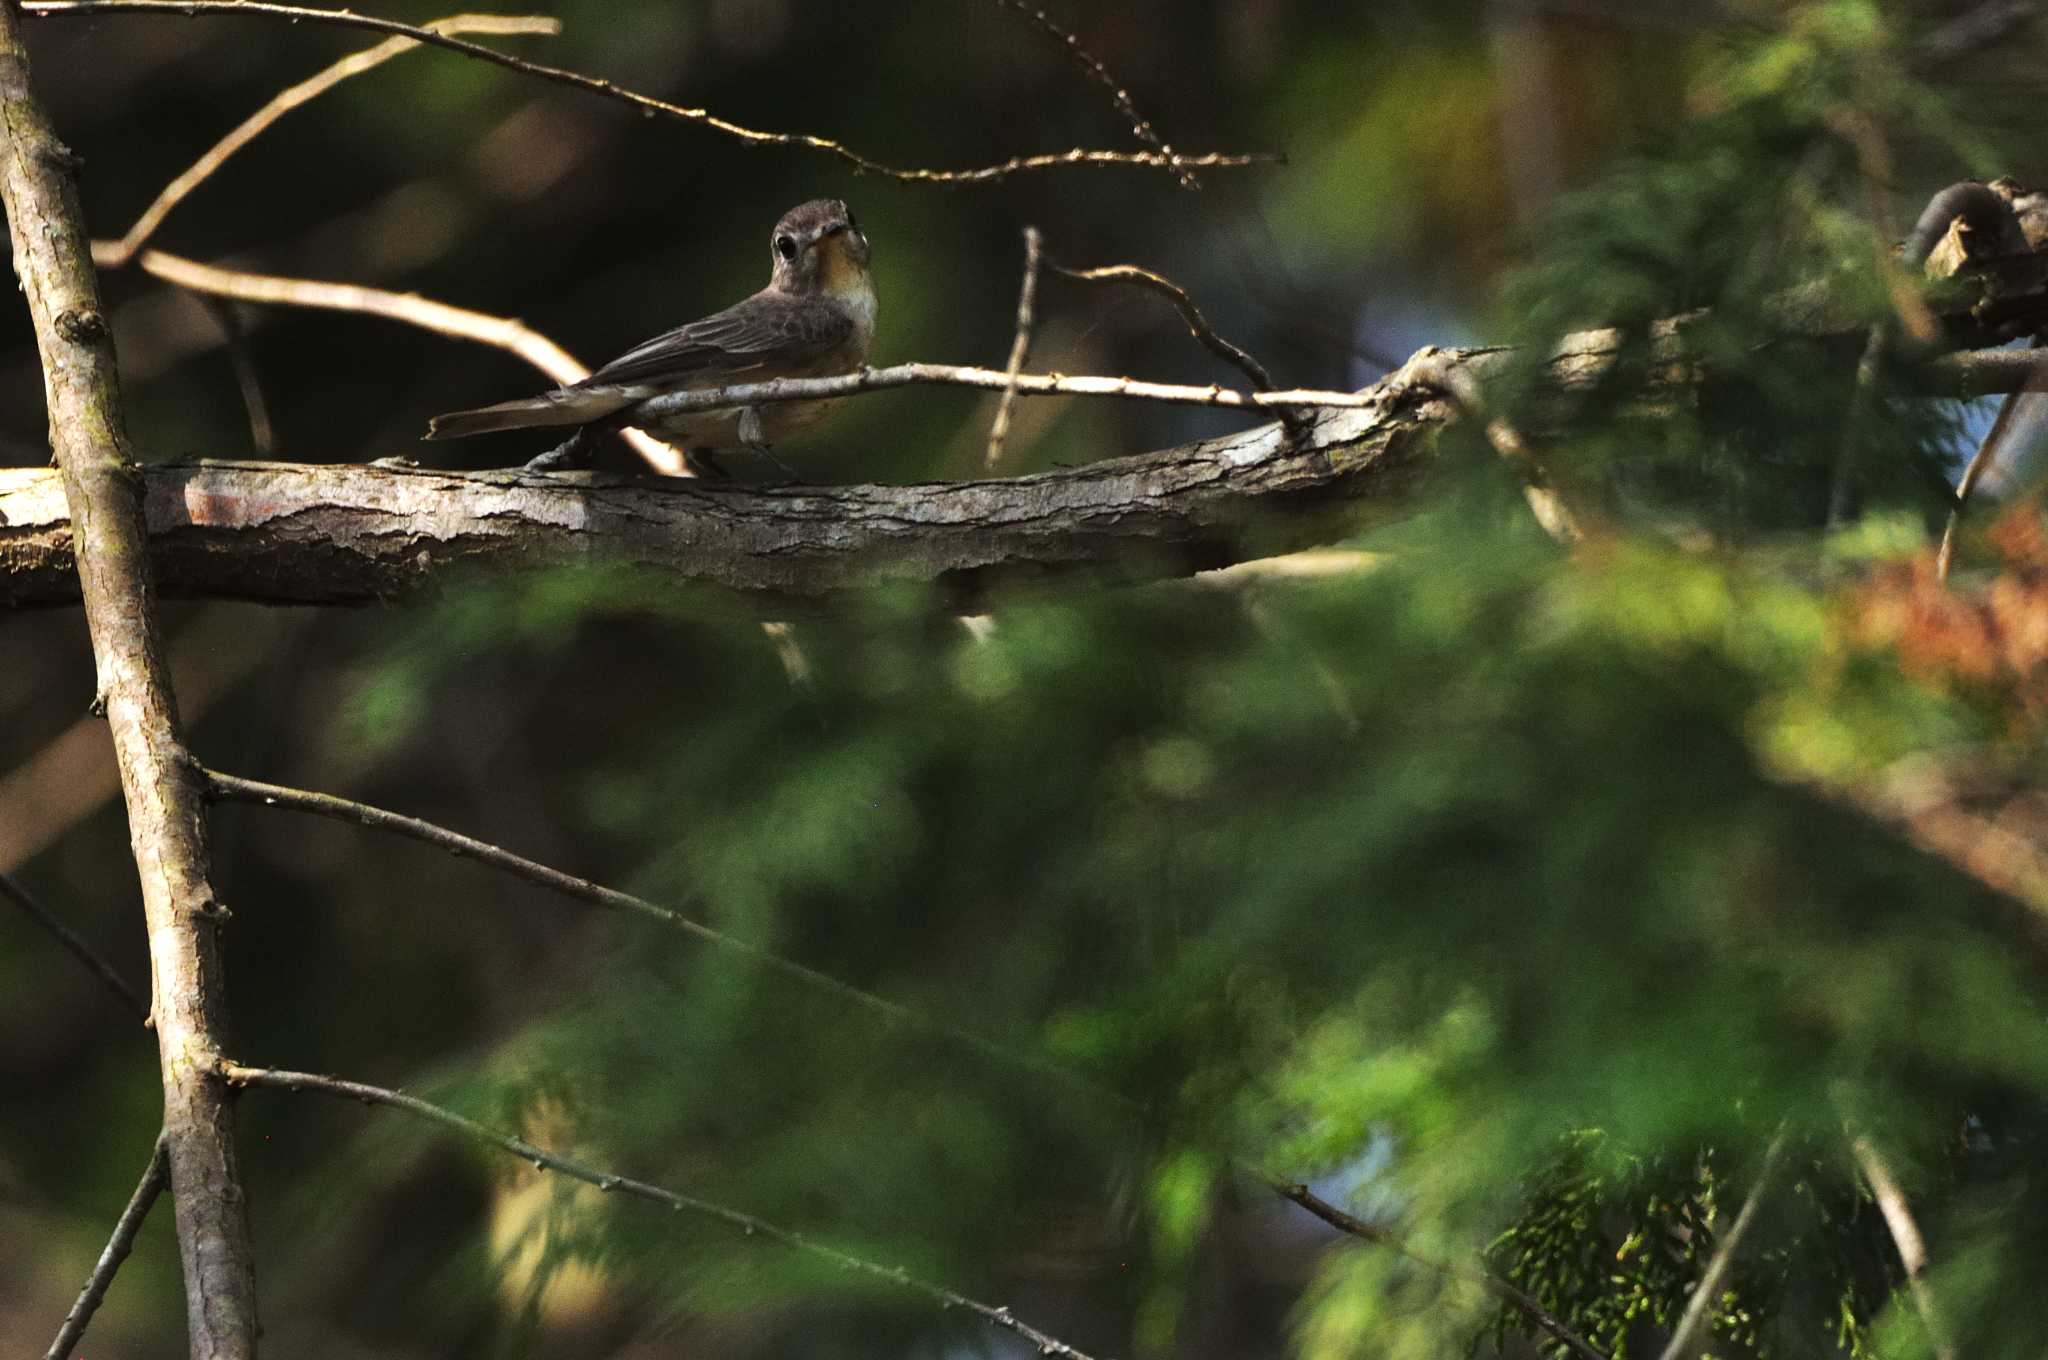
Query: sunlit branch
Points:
[995, 380]
[118, 253]
[1020, 346]
[1092, 66]
[1351, 1224]
[1697, 1319]
[994, 1314]
[500, 332]
[114, 1253]
[647, 104]
[78, 948]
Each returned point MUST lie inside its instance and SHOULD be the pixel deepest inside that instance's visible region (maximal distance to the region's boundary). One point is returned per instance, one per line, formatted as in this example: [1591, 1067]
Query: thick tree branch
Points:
[994, 1314]
[166, 806]
[113, 1254]
[647, 104]
[295, 534]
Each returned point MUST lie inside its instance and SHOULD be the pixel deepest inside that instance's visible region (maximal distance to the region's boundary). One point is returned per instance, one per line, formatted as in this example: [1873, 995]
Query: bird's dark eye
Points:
[785, 246]
[852, 222]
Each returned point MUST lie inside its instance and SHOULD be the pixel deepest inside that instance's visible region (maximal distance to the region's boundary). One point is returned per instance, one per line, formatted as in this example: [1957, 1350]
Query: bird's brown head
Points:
[818, 248]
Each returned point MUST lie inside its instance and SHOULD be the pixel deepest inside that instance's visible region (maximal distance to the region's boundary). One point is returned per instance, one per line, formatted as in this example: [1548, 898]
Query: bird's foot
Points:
[571, 455]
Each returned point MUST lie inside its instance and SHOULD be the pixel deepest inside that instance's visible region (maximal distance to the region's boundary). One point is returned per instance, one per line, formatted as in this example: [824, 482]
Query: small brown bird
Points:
[816, 317]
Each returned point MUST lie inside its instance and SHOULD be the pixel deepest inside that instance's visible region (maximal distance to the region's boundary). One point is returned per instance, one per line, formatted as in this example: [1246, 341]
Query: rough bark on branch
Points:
[164, 793]
[286, 533]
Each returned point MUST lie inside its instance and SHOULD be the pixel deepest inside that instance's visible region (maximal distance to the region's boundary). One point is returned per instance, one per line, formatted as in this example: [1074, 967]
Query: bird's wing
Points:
[790, 332]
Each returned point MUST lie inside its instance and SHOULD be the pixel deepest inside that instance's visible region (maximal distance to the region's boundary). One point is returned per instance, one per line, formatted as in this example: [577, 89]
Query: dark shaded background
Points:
[1424, 142]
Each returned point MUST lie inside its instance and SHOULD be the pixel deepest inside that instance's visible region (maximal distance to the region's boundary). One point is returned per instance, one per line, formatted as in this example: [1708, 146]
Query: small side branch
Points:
[116, 1251]
[994, 1314]
[227, 788]
[1027, 295]
[647, 104]
[77, 947]
[1235, 356]
[1518, 1299]
[1905, 1231]
[1698, 1317]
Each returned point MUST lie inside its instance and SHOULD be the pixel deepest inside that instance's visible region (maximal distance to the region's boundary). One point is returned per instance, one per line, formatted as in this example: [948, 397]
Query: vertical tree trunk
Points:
[162, 788]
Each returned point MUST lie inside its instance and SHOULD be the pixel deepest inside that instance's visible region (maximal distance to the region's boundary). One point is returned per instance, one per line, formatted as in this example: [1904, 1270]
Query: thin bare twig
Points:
[115, 1252]
[1027, 295]
[1980, 463]
[1699, 1309]
[1236, 357]
[994, 1314]
[77, 947]
[1905, 1231]
[233, 789]
[411, 309]
[355, 64]
[647, 104]
[1089, 63]
[1518, 1299]
[262, 434]
[995, 380]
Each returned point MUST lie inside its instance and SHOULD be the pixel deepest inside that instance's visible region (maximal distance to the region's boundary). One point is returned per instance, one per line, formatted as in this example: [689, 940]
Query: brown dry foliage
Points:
[1987, 637]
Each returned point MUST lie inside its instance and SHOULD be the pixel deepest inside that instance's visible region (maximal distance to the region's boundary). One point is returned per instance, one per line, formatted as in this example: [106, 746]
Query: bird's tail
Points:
[563, 406]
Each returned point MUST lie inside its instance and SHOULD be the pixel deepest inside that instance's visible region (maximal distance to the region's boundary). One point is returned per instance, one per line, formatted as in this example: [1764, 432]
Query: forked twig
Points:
[114, 1253]
[1027, 295]
[647, 104]
[118, 253]
[1234, 355]
[995, 1314]
[1141, 128]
